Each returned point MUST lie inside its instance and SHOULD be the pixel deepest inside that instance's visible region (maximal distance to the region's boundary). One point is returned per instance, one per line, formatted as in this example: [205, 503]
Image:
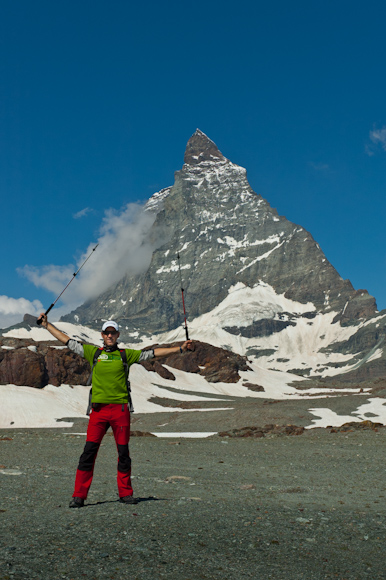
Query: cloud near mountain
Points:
[124, 246]
[12, 310]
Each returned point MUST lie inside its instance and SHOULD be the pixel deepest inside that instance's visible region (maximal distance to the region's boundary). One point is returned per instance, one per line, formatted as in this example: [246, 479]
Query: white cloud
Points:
[377, 137]
[52, 278]
[82, 213]
[368, 150]
[12, 310]
[124, 247]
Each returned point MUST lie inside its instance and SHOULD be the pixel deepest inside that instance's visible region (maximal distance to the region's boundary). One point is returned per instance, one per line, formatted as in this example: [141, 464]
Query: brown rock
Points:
[141, 434]
[293, 430]
[254, 388]
[66, 367]
[356, 426]
[157, 367]
[23, 367]
[200, 148]
[163, 371]
[213, 363]
[50, 365]
[263, 431]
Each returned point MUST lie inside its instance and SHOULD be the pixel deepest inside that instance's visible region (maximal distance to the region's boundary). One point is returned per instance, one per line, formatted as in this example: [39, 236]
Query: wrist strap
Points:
[181, 351]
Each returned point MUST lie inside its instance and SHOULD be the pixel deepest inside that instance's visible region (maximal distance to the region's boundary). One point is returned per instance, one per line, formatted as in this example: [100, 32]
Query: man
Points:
[110, 404]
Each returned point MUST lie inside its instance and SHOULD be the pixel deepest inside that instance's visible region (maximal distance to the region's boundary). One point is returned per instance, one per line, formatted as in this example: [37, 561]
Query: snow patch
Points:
[195, 435]
[377, 354]
[245, 305]
[262, 257]
[76, 331]
[155, 203]
[374, 410]
[26, 407]
[172, 268]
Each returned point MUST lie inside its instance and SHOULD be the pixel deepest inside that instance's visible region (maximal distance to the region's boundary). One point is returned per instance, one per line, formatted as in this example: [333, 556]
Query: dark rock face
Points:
[215, 364]
[200, 148]
[66, 367]
[42, 365]
[264, 327]
[23, 367]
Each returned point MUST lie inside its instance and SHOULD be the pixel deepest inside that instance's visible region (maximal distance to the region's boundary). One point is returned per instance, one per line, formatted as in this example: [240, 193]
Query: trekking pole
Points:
[183, 301]
[28, 318]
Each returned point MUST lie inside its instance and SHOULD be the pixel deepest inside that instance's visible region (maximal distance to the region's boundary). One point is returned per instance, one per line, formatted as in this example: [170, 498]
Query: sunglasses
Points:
[112, 332]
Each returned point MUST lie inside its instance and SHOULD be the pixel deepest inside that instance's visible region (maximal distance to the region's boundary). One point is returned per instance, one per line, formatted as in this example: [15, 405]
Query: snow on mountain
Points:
[39, 334]
[301, 346]
[155, 203]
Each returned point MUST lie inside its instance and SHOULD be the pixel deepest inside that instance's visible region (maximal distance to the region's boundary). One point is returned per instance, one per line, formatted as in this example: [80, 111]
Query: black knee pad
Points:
[124, 461]
[87, 459]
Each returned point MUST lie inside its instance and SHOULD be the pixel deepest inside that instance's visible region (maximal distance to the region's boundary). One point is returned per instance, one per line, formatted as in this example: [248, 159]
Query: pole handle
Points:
[39, 320]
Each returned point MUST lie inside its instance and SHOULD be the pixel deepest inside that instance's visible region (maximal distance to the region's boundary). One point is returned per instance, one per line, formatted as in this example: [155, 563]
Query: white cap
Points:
[110, 323]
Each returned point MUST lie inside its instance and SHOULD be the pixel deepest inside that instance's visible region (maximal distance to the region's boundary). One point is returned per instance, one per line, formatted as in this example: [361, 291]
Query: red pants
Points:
[118, 416]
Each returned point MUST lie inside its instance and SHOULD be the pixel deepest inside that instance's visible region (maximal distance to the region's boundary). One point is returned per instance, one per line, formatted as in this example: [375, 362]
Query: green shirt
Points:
[108, 377]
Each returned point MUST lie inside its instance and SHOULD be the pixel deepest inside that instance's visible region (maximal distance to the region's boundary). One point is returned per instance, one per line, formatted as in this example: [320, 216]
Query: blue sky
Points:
[98, 100]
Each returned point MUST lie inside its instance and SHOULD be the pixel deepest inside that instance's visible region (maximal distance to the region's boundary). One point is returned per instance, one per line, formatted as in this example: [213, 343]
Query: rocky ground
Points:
[242, 412]
[296, 507]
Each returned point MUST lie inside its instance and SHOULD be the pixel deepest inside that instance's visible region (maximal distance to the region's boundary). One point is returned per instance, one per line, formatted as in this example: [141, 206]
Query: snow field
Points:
[26, 407]
[297, 347]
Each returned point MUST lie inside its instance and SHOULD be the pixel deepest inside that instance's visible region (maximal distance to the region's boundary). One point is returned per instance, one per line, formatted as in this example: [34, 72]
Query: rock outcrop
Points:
[27, 363]
[215, 364]
[37, 364]
[22, 367]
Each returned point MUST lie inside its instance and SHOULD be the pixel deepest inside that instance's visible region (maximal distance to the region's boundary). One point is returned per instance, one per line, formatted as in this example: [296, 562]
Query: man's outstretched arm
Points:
[58, 334]
[187, 345]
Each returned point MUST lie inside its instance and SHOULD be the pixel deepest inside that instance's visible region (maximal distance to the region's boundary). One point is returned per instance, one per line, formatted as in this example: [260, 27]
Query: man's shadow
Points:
[138, 501]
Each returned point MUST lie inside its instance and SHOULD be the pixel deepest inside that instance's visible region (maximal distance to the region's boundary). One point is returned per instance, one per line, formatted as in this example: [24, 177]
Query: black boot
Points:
[76, 502]
[128, 499]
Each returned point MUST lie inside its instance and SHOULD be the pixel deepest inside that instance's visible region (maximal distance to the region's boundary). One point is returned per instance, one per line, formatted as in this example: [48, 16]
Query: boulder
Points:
[66, 367]
[34, 364]
[23, 367]
[213, 363]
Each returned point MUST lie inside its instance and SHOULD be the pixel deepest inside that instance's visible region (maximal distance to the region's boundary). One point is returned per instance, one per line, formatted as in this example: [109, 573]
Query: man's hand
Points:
[188, 345]
[43, 318]
[167, 351]
[58, 334]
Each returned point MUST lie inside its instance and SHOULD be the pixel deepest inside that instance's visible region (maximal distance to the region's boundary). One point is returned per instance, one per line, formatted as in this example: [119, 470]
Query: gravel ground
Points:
[306, 507]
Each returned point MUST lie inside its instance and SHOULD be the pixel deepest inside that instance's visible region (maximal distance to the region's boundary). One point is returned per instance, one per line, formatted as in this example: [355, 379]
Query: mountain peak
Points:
[200, 148]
